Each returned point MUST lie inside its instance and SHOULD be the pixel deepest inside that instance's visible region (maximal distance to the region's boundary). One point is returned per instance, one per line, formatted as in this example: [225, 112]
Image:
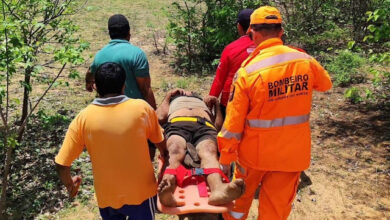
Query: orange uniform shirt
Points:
[267, 120]
[115, 133]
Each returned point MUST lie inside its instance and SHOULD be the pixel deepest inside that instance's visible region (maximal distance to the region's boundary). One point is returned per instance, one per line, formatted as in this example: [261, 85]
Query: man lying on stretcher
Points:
[191, 131]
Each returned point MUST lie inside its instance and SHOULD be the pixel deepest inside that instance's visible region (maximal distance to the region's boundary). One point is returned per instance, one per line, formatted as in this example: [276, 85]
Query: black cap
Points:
[118, 22]
[244, 17]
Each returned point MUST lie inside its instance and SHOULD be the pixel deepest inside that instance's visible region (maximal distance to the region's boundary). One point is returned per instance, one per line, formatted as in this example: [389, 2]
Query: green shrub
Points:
[48, 121]
[335, 37]
[379, 54]
[353, 95]
[200, 29]
[183, 83]
[346, 68]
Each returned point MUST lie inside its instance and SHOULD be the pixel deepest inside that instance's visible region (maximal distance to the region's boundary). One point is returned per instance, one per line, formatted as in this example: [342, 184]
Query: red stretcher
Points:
[192, 197]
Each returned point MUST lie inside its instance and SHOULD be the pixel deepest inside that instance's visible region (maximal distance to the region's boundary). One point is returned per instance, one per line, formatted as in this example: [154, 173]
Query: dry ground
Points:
[350, 170]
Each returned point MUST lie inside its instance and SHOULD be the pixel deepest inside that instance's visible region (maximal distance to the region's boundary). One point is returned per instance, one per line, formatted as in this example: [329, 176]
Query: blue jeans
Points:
[143, 211]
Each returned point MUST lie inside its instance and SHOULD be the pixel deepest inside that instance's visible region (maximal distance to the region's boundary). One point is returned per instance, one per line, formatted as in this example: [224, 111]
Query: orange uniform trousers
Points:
[277, 192]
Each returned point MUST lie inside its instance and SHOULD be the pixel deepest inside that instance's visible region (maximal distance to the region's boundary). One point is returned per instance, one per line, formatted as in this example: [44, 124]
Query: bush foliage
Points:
[345, 68]
[38, 43]
[200, 29]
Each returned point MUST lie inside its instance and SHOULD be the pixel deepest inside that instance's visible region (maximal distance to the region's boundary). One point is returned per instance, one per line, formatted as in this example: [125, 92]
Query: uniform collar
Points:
[116, 41]
[110, 100]
[268, 43]
[265, 44]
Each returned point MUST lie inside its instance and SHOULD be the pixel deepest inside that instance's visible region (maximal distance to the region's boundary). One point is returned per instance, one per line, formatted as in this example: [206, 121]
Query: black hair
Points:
[193, 94]
[244, 18]
[109, 79]
[244, 25]
[267, 27]
[118, 27]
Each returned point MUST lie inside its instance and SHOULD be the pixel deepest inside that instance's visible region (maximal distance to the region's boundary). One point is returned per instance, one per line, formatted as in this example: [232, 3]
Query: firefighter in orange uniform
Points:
[266, 130]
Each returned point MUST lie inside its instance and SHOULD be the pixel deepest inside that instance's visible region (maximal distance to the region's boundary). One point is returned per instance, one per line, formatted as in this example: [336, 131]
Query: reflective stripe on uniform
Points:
[278, 122]
[227, 134]
[236, 215]
[281, 58]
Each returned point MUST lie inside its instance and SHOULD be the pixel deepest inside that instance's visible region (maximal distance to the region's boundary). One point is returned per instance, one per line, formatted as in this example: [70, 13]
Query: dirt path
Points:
[350, 170]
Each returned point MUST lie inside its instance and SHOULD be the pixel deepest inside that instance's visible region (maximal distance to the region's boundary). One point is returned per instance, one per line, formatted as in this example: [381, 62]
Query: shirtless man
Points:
[182, 134]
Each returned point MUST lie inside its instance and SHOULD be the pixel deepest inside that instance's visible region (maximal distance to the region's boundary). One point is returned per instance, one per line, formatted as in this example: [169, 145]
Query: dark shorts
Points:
[143, 211]
[192, 132]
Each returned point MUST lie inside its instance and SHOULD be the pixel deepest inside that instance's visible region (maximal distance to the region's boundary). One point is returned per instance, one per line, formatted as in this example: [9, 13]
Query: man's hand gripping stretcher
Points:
[191, 125]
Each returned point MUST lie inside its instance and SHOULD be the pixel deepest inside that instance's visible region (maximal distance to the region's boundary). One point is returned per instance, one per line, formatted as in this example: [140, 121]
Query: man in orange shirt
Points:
[266, 130]
[115, 131]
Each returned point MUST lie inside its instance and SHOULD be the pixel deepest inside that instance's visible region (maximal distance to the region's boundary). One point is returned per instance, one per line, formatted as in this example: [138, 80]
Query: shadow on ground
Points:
[34, 186]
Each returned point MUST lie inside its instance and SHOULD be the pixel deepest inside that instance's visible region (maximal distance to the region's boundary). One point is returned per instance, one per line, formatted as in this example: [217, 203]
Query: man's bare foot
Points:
[227, 192]
[166, 189]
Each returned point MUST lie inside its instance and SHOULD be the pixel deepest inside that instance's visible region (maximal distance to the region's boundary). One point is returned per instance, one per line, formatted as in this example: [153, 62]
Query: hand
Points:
[210, 101]
[176, 92]
[226, 169]
[73, 188]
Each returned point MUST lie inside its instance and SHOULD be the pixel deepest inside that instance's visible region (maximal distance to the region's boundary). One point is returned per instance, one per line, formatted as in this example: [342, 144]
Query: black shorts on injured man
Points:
[193, 133]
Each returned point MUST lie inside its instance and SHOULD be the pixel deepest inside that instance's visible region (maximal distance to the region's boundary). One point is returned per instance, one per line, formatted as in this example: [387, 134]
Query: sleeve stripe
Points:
[227, 134]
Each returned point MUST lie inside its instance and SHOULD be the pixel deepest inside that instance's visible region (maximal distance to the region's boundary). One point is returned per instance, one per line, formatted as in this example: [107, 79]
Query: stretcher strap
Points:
[196, 176]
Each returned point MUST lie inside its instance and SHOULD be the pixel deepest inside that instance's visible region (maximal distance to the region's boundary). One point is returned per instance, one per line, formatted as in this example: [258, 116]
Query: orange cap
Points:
[265, 15]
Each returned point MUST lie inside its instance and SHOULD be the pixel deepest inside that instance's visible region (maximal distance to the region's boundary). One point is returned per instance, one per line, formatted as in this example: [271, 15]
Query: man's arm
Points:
[322, 81]
[72, 184]
[213, 103]
[144, 85]
[218, 117]
[230, 135]
[163, 109]
[162, 147]
[140, 66]
[71, 149]
[89, 80]
[155, 132]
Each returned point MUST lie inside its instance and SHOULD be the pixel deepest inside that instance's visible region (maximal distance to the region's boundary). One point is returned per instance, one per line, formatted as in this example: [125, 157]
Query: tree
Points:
[37, 41]
[200, 29]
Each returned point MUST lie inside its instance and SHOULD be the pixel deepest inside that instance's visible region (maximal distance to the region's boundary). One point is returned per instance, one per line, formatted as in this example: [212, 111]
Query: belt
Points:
[193, 119]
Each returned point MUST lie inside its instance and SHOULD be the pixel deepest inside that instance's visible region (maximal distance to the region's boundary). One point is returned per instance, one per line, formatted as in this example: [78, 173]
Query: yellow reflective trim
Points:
[236, 215]
[191, 119]
[228, 134]
[274, 60]
[278, 122]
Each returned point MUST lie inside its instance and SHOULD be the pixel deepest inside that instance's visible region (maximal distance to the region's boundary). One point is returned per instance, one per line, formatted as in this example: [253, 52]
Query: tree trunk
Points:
[26, 93]
[8, 159]
[7, 166]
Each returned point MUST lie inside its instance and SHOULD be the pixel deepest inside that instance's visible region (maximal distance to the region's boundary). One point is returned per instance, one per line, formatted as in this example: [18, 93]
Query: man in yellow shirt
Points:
[115, 131]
